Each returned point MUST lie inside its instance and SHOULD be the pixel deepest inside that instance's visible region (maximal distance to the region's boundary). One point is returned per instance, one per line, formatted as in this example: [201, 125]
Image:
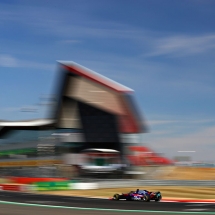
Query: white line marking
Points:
[196, 209]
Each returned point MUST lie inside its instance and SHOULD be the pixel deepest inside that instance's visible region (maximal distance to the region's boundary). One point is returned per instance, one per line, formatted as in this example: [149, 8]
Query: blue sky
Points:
[163, 50]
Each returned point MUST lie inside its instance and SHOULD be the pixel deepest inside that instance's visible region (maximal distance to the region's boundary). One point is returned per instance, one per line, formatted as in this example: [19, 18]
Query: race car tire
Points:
[116, 196]
[158, 198]
[146, 198]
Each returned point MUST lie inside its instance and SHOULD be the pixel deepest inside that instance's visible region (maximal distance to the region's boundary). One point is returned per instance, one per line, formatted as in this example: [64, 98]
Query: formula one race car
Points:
[138, 195]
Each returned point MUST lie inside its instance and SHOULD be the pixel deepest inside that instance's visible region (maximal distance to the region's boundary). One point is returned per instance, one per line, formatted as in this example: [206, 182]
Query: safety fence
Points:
[48, 186]
[77, 185]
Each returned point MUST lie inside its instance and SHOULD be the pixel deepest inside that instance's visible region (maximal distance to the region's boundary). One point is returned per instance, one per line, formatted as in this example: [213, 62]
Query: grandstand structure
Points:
[91, 111]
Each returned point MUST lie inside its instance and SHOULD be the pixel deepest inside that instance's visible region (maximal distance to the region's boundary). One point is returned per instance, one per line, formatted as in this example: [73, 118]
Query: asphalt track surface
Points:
[14, 203]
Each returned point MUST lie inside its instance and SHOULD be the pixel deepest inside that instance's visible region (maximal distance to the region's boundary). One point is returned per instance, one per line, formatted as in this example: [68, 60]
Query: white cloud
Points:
[182, 45]
[10, 61]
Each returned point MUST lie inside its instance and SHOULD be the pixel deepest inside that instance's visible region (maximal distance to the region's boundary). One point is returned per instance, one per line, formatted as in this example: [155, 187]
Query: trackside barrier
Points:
[84, 186]
[49, 186]
[75, 185]
[67, 185]
[54, 185]
[10, 187]
[4, 180]
[27, 188]
[28, 180]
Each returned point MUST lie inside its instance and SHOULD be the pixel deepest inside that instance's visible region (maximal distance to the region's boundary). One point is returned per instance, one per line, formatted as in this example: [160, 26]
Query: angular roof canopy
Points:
[94, 76]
